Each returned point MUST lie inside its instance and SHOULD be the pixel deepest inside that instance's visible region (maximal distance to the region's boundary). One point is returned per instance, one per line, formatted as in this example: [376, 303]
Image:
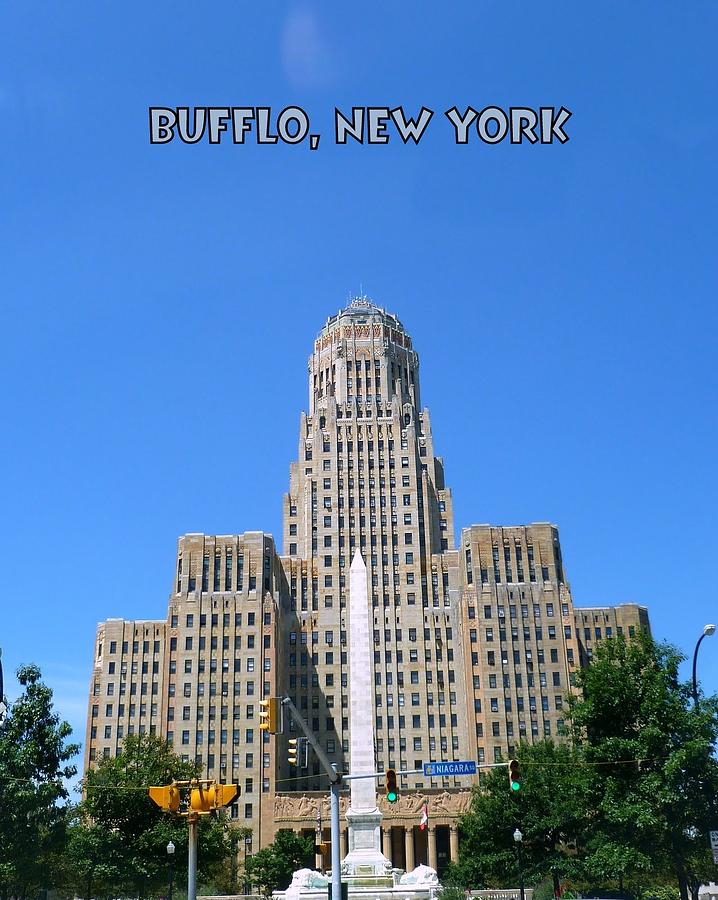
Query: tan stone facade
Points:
[475, 640]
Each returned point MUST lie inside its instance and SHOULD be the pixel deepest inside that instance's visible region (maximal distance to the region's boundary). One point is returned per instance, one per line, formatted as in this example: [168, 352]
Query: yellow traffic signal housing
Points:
[224, 794]
[167, 797]
[293, 751]
[201, 799]
[205, 799]
[269, 715]
[392, 790]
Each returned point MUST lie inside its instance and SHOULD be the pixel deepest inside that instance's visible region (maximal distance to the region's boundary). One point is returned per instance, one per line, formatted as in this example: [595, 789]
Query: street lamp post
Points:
[518, 837]
[3, 708]
[171, 857]
[247, 844]
[708, 630]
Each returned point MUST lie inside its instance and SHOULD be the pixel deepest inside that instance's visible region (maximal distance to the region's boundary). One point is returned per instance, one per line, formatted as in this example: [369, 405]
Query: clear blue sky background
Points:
[159, 303]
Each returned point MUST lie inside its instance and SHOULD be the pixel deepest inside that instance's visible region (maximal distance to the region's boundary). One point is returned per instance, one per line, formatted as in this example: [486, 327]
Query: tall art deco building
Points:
[475, 636]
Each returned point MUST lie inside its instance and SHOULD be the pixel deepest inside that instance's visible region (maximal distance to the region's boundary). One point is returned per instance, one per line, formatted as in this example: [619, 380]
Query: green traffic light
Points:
[515, 786]
[392, 797]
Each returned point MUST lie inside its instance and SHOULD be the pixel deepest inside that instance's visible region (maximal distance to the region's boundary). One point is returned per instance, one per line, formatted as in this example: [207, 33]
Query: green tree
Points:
[272, 867]
[116, 801]
[228, 877]
[91, 861]
[34, 766]
[549, 810]
[650, 754]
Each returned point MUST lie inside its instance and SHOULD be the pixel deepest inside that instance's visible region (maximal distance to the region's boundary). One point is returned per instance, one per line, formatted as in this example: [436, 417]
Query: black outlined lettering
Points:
[296, 132]
[343, 127]
[377, 117]
[552, 124]
[461, 123]
[492, 114]
[409, 128]
[523, 122]
[162, 123]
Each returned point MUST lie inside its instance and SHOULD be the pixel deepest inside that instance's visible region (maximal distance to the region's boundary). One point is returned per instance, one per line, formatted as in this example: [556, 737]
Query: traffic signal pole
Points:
[335, 781]
[205, 796]
[335, 830]
[192, 822]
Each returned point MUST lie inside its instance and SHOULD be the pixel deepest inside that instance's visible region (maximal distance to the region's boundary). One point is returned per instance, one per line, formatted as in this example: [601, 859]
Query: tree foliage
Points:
[120, 837]
[272, 867]
[651, 755]
[548, 811]
[635, 788]
[34, 765]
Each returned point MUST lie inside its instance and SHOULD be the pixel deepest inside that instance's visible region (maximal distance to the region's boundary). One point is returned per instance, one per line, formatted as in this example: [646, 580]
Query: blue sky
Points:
[159, 303]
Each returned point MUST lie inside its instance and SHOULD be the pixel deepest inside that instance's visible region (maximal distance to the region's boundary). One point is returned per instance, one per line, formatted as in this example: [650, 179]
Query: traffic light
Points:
[293, 751]
[215, 796]
[269, 712]
[392, 791]
[224, 794]
[167, 797]
[514, 775]
[201, 799]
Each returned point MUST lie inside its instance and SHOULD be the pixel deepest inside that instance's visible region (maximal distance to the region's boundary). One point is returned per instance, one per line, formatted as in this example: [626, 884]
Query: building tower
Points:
[367, 478]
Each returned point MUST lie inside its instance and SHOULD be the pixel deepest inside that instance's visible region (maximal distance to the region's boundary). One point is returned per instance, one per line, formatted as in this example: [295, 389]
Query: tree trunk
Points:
[680, 870]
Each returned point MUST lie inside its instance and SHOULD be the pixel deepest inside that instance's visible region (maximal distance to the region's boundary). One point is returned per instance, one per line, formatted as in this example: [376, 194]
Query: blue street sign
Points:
[465, 767]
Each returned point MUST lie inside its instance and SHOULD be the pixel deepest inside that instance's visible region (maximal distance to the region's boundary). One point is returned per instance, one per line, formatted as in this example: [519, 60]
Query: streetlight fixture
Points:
[171, 857]
[708, 631]
[518, 838]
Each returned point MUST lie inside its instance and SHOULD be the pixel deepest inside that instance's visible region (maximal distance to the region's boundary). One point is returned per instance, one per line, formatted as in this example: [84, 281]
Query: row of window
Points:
[431, 722]
[517, 681]
[387, 600]
[122, 689]
[414, 677]
[109, 710]
[135, 647]
[416, 699]
[514, 610]
[214, 620]
[520, 703]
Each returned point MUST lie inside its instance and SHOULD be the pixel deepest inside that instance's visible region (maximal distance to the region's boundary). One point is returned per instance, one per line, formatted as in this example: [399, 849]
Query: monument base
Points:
[420, 884]
[365, 859]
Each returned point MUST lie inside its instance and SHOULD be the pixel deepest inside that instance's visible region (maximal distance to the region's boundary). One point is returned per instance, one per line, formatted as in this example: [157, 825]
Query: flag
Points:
[424, 817]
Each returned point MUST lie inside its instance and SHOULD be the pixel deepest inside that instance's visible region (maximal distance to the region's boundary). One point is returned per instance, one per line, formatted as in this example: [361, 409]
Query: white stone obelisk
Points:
[363, 816]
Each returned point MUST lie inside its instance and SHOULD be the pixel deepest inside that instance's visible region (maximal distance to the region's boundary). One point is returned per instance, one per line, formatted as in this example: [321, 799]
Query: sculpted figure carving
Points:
[442, 803]
[420, 875]
[463, 802]
[305, 880]
[305, 807]
[412, 803]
